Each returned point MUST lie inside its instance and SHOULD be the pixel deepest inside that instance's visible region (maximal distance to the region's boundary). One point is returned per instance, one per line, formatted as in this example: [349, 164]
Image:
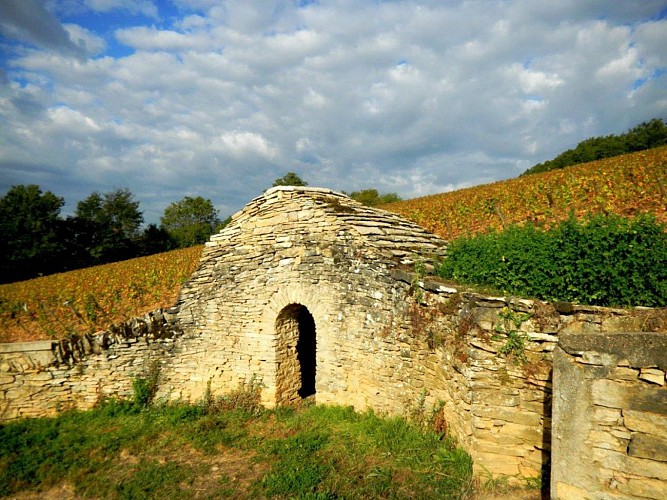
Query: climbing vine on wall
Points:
[507, 330]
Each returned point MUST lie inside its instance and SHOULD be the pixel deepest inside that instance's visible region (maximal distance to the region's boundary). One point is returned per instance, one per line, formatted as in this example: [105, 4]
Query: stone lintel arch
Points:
[283, 377]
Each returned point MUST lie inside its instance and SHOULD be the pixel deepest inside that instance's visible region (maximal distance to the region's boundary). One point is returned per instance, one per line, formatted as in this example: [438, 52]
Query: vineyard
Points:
[88, 300]
[625, 185]
[91, 299]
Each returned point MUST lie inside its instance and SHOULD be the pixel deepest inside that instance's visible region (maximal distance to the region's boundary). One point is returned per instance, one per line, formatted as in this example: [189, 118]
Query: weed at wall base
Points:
[247, 397]
[145, 388]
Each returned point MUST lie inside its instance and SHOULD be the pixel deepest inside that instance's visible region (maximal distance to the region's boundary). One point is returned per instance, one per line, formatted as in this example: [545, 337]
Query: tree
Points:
[111, 223]
[372, 198]
[646, 135]
[190, 221]
[290, 179]
[29, 221]
[154, 240]
[115, 210]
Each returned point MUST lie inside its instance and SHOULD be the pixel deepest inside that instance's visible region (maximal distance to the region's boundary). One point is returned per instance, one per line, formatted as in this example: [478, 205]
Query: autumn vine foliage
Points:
[624, 185]
[88, 300]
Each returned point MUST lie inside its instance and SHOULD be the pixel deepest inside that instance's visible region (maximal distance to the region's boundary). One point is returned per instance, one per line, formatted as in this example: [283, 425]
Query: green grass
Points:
[120, 450]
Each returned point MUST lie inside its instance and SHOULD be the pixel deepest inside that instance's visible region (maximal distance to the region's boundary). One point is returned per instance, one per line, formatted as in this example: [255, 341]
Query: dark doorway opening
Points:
[306, 352]
[296, 354]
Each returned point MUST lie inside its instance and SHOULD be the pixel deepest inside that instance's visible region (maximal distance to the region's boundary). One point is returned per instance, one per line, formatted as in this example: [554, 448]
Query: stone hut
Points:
[302, 292]
[316, 296]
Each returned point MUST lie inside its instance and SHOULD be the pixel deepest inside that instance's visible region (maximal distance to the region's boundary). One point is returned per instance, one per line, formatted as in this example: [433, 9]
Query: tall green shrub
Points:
[603, 260]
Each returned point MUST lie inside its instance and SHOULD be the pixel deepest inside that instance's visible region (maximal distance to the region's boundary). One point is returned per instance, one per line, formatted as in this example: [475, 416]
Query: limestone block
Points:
[648, 446]
[38, 378]
[578, 326]
[496, 398]
[625, 373]
[653, 375]
[565, 491]
[607, 416]
[644, 488]
[607, 441]
[646, 422]
[529, 434]
[597, 358]
[630, 465]
[536, 407]
[21, 392]
[620, 432]
[614, 394]
[622, 324]
[503, 450]
[495, 464]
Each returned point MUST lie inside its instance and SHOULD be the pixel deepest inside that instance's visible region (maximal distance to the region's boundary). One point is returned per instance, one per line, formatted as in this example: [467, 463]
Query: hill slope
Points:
[647, 135]
[88, 300]
[625, 185]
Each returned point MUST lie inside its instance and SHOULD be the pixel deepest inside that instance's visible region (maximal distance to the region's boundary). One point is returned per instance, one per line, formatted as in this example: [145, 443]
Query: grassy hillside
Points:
[625, 185]
[88, 300]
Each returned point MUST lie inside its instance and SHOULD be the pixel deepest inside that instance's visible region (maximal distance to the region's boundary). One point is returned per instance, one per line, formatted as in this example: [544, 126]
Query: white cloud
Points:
[242, 144]
[534, 82]
[417, 97]
[88, 41]
[145, 7]
[72, 120]
[145, 38]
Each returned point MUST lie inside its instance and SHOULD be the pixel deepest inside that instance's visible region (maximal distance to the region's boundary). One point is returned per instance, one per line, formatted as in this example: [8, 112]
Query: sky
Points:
[220, 98]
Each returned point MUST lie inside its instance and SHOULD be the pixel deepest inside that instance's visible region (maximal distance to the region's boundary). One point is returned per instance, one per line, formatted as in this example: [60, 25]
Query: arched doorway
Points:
[296, 354]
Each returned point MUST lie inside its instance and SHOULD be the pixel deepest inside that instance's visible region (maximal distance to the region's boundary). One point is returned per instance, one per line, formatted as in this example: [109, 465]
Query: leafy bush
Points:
[605, 260]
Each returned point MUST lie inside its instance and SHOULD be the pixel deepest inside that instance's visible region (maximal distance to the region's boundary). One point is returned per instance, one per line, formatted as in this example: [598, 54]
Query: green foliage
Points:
[372, 198]
[289, 179]
[107, 225]
[154, 479]
[507, 330]
[190, 221]
[114, 210]
[120, 451]
[154, 240]
[145, 387]
[604, 260]
[29, 225]
[295, 470]
[647, 135]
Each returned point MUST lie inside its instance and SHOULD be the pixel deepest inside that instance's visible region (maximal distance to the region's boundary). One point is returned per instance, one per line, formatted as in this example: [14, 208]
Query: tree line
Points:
[35, 240]
[646, 135]
[106, 227]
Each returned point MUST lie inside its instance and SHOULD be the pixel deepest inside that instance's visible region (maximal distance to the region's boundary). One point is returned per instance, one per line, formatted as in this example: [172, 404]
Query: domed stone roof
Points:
[314, 212]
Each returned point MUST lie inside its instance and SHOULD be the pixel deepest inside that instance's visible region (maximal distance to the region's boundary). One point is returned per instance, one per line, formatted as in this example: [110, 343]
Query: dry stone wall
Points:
[610, 425]
[497, 403]
[42, 378]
